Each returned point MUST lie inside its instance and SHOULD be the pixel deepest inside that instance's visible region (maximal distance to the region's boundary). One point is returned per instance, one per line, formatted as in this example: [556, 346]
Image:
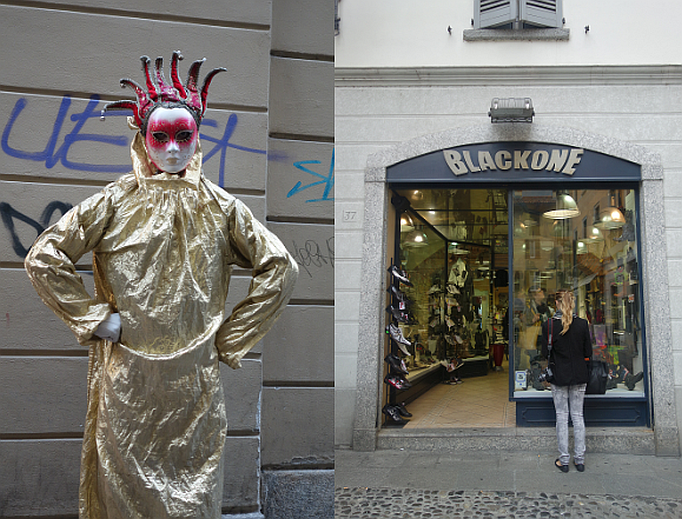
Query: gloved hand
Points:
[110, 328]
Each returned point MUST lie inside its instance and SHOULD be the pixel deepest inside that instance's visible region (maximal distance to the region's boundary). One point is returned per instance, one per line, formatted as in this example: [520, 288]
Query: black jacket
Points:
[569, 351]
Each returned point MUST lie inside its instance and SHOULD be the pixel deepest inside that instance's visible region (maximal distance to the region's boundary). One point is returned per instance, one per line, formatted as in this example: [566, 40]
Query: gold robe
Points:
[163, 250]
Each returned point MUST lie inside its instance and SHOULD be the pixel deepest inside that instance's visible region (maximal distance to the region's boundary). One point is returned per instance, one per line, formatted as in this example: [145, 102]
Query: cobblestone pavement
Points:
[392, 503]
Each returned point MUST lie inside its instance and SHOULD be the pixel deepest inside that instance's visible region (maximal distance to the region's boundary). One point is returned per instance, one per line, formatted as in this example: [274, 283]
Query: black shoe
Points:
[398, 294]
[397, 335]
[397, 381]
[399, 316]
[631, 380]
[562, 468]
[621, 373]
[403, 410]
[400, 275]
[579, 466]
[397, 363]
[393, 414]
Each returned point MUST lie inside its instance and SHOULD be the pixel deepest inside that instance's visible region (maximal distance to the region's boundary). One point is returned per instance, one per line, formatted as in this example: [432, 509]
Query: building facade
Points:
[491, 212]
[267, 138]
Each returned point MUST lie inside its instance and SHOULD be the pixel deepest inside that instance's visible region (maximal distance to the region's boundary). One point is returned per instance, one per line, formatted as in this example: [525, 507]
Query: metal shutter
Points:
[491, 13]
[541, 13]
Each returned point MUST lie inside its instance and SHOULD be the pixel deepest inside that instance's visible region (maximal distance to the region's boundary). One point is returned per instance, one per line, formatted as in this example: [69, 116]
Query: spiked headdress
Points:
[161, 93]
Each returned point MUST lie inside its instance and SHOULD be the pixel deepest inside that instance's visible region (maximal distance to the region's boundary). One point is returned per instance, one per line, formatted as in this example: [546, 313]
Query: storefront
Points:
[468, 237]
[487, 234]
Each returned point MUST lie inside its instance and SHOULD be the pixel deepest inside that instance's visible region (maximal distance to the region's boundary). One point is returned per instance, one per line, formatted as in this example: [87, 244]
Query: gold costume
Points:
[163, 250]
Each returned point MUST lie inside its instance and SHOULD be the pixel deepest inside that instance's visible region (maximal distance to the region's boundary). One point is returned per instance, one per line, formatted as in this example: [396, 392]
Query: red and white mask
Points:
[171, 138]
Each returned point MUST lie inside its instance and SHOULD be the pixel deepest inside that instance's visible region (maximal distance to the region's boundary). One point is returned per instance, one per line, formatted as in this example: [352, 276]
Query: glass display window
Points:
[485, 266]
[584, 240]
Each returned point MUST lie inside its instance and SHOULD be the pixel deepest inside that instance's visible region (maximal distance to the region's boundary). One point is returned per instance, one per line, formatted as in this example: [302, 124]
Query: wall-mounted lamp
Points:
[565, 208]
[511, 110]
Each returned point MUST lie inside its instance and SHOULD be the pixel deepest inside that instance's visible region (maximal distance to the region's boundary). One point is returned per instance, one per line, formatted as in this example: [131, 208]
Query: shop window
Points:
[484, 266]
[601, 268]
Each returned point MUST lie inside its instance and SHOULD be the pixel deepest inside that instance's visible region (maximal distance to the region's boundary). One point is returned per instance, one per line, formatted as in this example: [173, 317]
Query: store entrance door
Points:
[453, 246]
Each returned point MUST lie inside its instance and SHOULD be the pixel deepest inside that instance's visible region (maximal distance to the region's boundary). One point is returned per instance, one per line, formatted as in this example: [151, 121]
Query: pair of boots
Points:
[396, 412]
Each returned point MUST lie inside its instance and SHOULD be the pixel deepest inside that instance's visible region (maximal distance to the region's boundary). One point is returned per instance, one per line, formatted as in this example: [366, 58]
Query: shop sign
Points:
[514, 162]
[559, 160]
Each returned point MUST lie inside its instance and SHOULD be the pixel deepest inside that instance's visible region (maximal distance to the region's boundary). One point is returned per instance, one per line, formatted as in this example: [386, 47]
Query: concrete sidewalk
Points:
[414, 484]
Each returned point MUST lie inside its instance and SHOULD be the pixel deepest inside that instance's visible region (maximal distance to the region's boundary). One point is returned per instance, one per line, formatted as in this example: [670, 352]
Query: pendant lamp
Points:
[611, 217]
[406, 223]
[416, 238]
[565, 208]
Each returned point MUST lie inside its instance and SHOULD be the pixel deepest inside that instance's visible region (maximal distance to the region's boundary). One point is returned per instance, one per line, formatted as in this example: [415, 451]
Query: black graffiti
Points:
[313, 255]
[9, 215]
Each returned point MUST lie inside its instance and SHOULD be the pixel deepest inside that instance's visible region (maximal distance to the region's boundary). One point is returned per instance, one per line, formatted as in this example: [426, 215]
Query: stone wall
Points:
[380, 111]
[267, 138]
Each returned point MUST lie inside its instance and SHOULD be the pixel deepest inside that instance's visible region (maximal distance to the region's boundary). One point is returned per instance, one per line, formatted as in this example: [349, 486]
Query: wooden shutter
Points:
[491, 13]
[541, 13]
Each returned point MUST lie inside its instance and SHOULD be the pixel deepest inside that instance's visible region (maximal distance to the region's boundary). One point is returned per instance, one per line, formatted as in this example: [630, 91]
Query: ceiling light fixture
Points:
[565, 208]
[611, 217]
[406, 223]
[416, 238]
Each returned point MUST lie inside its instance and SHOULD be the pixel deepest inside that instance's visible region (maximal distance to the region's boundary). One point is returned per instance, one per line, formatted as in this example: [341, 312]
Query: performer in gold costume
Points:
[164, 240]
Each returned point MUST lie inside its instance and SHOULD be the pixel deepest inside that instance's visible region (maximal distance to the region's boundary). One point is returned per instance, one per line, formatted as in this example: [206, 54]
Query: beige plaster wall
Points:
[269, 127]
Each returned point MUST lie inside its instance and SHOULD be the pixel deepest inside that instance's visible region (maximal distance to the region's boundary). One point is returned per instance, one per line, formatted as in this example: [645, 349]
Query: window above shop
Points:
[517, 20]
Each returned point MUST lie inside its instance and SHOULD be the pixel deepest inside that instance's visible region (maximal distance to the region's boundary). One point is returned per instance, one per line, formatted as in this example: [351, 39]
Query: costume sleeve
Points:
[50, 265]
[274, 275]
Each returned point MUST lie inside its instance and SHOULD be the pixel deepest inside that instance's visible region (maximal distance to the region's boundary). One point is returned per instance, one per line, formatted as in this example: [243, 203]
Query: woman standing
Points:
[571, 348]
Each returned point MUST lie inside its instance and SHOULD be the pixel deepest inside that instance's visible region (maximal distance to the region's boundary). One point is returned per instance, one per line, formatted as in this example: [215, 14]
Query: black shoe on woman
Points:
[579, 466]
[562, 468]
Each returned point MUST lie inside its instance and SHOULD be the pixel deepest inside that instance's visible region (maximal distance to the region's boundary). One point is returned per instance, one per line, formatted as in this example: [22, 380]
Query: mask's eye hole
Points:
[160, 136]
[183, 135]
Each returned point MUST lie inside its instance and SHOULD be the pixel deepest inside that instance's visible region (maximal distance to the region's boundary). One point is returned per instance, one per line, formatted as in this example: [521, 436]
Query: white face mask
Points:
[171, 139]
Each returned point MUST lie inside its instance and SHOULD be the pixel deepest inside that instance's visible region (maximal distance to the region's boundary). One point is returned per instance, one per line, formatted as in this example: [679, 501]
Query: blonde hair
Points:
[566, 303]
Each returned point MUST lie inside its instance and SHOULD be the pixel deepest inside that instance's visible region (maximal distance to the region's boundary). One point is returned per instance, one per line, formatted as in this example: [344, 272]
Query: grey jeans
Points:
[565, 398]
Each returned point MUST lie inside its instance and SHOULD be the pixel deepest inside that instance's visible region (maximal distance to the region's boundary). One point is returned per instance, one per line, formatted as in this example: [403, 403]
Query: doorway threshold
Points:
[614, 440]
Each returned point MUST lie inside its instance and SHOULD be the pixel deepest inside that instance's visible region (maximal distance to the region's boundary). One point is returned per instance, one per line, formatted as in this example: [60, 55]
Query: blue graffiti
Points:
[223, 143]
[327, 180]
[52, 155]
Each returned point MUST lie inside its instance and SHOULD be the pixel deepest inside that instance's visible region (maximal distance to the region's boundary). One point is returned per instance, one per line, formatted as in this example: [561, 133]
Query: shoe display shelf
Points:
[425, 371]
[399, 348]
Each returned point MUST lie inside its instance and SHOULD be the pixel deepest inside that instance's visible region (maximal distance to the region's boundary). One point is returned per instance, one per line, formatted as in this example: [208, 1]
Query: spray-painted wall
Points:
[267, 138]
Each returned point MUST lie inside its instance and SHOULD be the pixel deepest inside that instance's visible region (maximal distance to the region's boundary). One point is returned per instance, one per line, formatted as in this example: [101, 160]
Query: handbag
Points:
[529, 337]
[599, 376]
